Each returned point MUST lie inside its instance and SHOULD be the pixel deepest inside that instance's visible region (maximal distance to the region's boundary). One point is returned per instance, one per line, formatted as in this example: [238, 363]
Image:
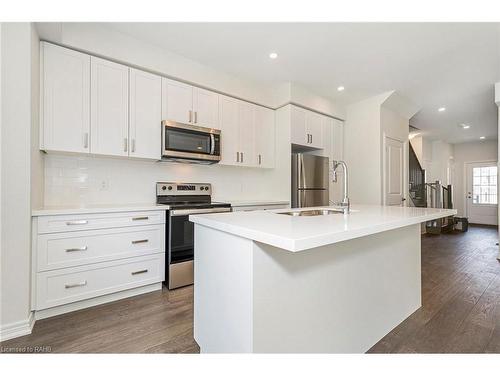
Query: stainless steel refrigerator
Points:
[310, 180]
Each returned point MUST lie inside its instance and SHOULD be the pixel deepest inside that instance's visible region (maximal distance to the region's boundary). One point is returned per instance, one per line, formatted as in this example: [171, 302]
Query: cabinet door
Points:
[298, 123]
[264, 137]
[246, 127]
[228, 123]
[327, 136]
[314, 127]
[66, 99]
[177, 101]
[205, 108]
[338, 140]
[145, 115]
[109, 108]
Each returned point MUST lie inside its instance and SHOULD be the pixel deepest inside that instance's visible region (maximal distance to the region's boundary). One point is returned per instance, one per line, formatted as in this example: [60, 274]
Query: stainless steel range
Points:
[182, 200]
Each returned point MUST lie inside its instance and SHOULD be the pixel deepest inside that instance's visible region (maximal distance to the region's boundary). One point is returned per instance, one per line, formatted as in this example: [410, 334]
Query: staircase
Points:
[416, 177]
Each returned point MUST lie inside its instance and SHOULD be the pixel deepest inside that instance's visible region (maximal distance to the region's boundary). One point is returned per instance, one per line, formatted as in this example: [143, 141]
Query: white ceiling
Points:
[454, 65]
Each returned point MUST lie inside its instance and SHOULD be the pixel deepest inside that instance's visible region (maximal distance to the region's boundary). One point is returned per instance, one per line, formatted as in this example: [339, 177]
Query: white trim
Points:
[17, 329]
[58, 310]
[465, 181]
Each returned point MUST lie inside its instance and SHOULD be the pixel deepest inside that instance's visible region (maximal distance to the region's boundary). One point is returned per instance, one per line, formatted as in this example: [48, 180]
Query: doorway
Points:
[482, 192]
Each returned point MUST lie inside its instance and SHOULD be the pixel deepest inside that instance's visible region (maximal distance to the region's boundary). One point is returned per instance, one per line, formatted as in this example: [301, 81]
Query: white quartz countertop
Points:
[297, 233]
[95, 209]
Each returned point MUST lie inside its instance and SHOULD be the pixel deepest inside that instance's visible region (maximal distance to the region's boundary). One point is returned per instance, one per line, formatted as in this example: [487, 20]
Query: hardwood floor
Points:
[460, 311]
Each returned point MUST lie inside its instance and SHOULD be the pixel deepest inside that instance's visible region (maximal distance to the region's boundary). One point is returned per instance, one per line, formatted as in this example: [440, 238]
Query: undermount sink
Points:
[311, 212]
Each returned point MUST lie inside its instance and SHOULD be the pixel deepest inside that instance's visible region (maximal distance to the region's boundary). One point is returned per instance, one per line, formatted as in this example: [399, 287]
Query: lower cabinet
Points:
[74, 264]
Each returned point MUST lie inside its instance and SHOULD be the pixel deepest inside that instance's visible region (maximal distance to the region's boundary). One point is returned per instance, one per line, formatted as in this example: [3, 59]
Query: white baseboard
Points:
[17, 329]
[58, 310]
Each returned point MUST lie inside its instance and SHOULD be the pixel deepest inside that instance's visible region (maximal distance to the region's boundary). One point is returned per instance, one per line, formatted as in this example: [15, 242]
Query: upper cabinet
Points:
[145, 115]
[307, 128]
[248, 133]
[109, 86]
[65, 89]
[190, 105]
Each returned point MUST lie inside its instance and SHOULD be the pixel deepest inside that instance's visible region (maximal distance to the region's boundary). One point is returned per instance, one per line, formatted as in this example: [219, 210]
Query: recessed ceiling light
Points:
[464, 126]
[441, 109]
[273, 55]
[482, 137]
[340, 88]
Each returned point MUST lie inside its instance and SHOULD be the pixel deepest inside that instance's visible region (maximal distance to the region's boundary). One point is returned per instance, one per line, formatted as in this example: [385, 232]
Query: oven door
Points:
[180, 251]
[186, 141]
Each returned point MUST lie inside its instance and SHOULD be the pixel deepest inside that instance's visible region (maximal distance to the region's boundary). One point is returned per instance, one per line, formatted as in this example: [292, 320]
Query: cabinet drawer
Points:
[73, 284]
[70, 223]
[60, 250]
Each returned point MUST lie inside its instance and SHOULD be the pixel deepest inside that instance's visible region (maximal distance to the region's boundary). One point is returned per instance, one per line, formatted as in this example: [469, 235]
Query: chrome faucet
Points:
[344, 205]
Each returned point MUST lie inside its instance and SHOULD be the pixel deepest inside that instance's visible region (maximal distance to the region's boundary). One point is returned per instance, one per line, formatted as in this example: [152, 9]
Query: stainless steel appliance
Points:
[309, 180]
[182, 200]
[190, 143]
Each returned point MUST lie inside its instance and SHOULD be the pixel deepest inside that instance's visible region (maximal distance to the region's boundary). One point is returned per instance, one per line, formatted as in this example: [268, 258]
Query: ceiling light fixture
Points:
[340, 88]
[273, 55]
[464, 126]
[442, 109]
[482, 137]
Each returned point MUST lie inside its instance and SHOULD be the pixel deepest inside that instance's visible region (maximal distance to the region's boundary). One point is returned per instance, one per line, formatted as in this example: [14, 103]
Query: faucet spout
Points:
[345, 204]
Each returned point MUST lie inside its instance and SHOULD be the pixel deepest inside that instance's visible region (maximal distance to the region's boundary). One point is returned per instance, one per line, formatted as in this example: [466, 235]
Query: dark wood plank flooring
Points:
[460, 311]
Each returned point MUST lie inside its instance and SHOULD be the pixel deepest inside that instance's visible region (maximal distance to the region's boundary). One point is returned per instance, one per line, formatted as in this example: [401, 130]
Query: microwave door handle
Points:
[212, 144]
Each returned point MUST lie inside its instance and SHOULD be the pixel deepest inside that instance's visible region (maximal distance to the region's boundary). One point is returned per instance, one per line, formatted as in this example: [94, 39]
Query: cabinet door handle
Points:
[311, 138]
[260, 159]
[86, 140]
[139, 272]
[195, 117]
[242, 157]
[133, 145]
[140, 218]
[77, 222]
[83, 248]
[139, 241]
[237, 157]
[125, 144]
[190, 116]
[83, 283]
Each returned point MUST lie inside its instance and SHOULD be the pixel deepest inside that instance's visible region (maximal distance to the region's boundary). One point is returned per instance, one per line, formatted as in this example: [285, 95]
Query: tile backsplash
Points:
[85, 180]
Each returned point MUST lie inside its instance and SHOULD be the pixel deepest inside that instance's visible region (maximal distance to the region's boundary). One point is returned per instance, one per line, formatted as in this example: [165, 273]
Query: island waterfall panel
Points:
[338, 298]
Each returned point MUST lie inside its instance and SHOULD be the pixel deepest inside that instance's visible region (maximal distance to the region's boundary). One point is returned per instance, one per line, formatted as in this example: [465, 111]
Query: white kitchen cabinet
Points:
[205, 108]
[306, 128]
[65, 88]
[109, 108]
[246, 136]
[338, 140]
[265, 136]
[145, 115]
[228, 123]
[177, 101]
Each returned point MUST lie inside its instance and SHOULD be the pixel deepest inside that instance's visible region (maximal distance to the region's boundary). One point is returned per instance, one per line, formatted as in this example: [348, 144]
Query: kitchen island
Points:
[269, 281]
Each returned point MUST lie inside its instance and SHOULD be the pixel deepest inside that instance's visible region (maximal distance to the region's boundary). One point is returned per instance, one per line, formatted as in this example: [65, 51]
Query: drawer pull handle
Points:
[83, 248]
[139, 272]
[139, 241]
[83, 283]
[77, 222]
[140, 218]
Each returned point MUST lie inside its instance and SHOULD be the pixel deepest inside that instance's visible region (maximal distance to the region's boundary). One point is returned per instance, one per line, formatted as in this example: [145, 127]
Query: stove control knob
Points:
[163, 188]
[170, 188]
[206, 187]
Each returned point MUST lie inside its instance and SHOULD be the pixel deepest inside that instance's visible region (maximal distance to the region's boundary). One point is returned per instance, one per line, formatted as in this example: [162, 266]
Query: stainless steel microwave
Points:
[190, 143]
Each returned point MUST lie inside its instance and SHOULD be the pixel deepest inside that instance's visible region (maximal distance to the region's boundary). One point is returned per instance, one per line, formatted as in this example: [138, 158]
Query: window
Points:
[484, 186]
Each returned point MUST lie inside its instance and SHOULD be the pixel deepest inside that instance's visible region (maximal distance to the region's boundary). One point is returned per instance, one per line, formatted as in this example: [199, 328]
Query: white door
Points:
[228, 123]
[109, 108]
[205, 108]
[394, 172]
[246, 139]
[482, 200]
[177, 101]
[66, 99]
[314, 127]
[145, 115]
[264, 137]
[299, 135]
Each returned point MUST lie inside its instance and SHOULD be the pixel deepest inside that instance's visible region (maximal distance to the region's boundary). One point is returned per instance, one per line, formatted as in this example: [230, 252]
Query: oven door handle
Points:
[199, 211]
[212, 144]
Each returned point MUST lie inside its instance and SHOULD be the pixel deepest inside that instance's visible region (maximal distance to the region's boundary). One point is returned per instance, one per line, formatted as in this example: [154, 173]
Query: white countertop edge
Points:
[49, 211]
[296, 245]
[244, 203]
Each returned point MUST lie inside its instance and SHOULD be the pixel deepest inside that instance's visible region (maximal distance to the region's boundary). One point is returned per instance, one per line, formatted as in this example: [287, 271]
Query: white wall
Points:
[440, 164]
[15, 169]
[469, 152]
[37, 160]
